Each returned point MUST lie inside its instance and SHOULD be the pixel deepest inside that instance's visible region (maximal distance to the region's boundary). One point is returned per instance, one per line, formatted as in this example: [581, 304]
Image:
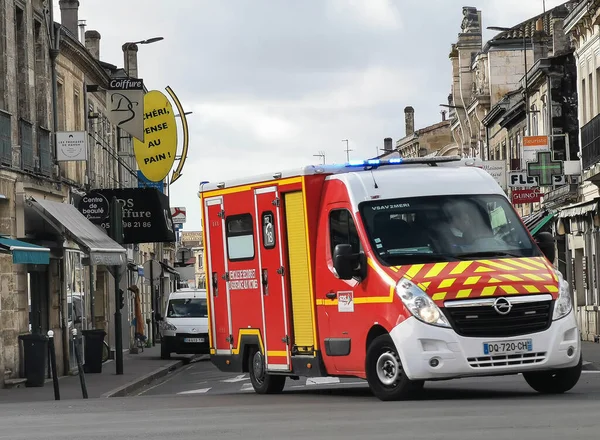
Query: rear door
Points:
[220, 304]
[272, 275]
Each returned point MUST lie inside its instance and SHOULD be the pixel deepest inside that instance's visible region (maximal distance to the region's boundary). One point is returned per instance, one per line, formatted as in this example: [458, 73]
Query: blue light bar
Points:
[374, 163]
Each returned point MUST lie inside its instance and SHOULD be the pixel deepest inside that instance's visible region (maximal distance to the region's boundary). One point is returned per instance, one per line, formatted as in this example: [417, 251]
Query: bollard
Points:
[79, 366]
[52, 352]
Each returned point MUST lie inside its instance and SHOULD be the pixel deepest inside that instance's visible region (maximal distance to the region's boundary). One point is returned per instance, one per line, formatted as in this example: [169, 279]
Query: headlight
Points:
[420, 304]
[170, 327]
[563, 304]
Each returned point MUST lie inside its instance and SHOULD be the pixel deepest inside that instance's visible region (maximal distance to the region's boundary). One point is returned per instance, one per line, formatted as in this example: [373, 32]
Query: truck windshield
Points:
[187, 308]
[445, 228]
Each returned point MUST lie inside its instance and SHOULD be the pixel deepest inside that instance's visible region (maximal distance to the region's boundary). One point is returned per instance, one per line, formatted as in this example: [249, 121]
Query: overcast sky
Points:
[273, 82]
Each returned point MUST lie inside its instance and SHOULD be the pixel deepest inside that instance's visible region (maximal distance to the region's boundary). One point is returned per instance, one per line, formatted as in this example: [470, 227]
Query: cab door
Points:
[220, 305]
[339, 314]
[272, 272]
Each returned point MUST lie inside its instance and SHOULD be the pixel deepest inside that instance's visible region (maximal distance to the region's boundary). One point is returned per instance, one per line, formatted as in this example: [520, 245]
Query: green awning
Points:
[542, 222]
[23, 252]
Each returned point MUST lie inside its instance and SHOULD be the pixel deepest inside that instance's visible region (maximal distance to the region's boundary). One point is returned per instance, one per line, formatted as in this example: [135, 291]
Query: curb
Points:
[141, 381]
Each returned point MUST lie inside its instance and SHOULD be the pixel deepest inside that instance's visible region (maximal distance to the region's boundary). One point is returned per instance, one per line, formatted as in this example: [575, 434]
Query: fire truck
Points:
[395, 271]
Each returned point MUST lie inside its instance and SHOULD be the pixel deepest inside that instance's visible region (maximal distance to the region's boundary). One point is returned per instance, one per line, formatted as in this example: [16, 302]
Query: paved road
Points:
[203, 378]
[497, 409]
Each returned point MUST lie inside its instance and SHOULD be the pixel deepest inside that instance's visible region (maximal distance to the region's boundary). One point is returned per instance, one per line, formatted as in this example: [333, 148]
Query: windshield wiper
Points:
[419, 256]
[488, 254]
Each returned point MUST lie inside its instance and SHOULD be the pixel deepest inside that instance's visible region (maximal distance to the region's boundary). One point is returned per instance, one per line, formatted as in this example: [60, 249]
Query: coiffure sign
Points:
[521, 196]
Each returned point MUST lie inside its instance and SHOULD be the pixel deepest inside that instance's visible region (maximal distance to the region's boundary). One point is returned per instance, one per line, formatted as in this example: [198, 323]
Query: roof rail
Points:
[375, 163]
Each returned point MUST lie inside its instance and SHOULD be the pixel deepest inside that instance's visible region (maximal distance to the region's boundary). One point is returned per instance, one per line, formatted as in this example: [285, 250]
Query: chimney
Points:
[409, 120]
[560, 41]
[387, 144]
[540, 50]
[443, 112]
[130, 58]
[92, 43]
[69, 15]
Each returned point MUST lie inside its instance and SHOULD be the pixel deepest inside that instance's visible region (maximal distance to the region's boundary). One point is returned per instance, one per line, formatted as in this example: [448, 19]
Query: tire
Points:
[165, 352]
[556, 381]
[262, 382]
[385, 374]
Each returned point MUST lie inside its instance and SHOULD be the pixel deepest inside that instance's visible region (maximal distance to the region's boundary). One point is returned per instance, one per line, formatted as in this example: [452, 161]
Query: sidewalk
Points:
[138, 370]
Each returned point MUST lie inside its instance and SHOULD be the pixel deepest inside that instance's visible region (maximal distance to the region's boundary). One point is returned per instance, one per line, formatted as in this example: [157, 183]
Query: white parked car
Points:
[185, 324]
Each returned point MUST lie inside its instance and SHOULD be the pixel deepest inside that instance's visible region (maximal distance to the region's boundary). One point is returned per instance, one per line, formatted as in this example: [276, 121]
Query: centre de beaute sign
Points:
[146, 213]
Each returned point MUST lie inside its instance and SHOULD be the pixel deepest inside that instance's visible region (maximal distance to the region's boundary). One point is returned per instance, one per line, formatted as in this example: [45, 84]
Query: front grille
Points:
[507, 360]
[483, 321]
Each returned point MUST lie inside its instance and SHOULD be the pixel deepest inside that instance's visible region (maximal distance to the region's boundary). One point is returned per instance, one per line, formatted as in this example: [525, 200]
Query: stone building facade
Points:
[55, 82]
[429, 140]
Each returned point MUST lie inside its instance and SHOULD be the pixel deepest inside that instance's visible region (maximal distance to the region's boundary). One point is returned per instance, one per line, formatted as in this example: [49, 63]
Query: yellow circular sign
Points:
[156, 155]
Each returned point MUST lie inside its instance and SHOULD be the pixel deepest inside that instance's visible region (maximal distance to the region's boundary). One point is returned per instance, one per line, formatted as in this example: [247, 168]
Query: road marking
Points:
[591, 371]
[322, 380]
[200, 391]
[238, 378]
[586, 363]
[247, 387]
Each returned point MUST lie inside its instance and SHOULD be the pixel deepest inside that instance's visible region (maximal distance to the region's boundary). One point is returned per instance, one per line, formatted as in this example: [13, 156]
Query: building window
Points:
[342, 230]
[44, 151]
[5, 139]
[545, 124]
[26, 141]
[240, 237]
[534, 120]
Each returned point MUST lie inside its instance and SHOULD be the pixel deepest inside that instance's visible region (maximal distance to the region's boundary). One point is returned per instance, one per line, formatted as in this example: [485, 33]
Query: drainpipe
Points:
[54, 51]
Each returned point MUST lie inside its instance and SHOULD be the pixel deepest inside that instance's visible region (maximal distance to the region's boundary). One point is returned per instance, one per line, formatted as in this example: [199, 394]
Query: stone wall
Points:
[505, 71]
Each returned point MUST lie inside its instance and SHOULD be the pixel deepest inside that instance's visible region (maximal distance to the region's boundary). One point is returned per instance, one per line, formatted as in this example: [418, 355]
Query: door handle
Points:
[331, 295]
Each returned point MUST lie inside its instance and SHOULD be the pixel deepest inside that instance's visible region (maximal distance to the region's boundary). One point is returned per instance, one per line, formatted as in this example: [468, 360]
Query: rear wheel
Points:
[555, 382]
[262, 382]
[385, 374]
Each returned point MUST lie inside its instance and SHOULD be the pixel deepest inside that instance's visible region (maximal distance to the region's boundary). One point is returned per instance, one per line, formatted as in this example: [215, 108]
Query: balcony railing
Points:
[590, 143]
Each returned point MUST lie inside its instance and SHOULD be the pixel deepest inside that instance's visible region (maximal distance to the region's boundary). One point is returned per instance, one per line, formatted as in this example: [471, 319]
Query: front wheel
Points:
[555, 382]
[262, 382]
[385, 374]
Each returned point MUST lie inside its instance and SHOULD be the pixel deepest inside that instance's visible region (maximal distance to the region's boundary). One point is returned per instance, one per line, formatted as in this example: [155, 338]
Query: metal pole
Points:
[153, 302]
[118, 324]
[52, 351]
[54, 51]
[79, 366]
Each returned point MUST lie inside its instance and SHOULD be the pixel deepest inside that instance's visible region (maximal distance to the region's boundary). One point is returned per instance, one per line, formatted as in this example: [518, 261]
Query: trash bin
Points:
[94, 345]
[35, 359]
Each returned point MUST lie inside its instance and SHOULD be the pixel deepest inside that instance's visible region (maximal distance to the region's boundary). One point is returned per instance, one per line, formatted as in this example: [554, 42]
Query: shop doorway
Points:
[39, 299]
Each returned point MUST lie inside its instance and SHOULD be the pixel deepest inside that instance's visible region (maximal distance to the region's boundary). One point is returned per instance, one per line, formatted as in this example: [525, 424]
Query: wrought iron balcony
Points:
[590, 143]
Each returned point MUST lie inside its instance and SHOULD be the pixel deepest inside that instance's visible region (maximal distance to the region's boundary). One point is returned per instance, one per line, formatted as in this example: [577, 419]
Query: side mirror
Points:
[545, 241]
[347, 264]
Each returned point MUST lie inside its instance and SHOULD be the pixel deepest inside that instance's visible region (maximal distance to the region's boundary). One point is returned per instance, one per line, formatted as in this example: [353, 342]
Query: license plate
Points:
[192, 340]
[507, 347]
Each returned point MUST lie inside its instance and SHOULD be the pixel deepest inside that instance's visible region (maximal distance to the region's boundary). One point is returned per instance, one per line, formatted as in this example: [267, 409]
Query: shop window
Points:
[342, 230]
[240, 237]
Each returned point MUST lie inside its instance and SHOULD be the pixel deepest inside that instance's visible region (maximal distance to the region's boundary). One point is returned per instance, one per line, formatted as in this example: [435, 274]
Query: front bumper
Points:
[459, 356]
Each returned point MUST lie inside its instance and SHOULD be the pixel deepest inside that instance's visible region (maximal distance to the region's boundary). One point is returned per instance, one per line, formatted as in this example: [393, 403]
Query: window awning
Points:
[578, 209]
[542, 222]
[102, 249]
[23, 252]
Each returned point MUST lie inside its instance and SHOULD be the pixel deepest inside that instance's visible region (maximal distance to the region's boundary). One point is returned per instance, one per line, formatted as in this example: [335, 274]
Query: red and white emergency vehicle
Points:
[396, 271]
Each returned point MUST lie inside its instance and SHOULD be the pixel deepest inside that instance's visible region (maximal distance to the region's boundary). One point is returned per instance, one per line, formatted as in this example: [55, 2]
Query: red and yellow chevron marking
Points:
[482, 278]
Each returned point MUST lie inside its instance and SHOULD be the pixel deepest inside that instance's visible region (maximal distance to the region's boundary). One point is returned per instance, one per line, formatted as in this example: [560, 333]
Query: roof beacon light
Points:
[374, 163]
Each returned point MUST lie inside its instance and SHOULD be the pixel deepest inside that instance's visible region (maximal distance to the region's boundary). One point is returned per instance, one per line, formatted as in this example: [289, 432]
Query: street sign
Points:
[178, 214]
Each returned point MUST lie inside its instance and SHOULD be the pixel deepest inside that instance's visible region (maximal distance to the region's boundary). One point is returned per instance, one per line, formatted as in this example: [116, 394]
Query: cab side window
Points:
[342, 230]
[240, 237]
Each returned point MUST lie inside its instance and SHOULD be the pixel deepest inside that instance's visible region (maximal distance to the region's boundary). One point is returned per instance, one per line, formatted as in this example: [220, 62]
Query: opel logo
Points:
[502, 306]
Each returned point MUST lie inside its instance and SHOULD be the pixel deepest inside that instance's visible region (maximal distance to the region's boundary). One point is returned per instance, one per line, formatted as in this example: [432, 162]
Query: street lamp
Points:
[127, 45]
[525, 91]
